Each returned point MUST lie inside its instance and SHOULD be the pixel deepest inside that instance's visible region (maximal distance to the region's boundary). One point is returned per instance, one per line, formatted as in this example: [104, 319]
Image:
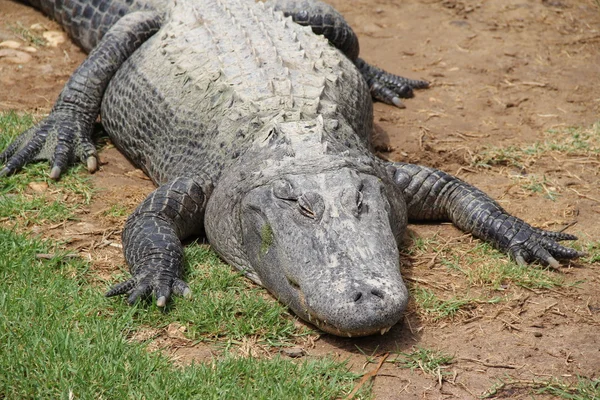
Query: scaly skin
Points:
[434, 195]
[258, 135]
[324, 20]
[88, 21]
[65, 134]
[172, 211]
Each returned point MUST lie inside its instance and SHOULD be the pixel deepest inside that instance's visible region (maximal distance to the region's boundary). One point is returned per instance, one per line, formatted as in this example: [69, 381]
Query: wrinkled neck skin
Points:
[319, 230]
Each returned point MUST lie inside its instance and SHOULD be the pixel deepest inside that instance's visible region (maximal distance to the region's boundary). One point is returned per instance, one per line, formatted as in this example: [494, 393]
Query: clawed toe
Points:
[387, 87]
[55, 172]
[121, 288]
[141, 290]
[92, 164]
[542, 246]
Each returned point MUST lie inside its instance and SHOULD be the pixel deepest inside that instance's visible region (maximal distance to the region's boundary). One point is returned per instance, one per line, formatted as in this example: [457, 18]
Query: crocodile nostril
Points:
[377, 293]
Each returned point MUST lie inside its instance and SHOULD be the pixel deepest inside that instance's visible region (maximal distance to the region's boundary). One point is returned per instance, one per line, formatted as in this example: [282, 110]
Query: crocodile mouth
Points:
[321, 323]
[328, 328]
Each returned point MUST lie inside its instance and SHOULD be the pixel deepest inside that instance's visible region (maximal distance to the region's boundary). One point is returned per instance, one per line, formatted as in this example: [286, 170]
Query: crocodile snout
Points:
[352, 309]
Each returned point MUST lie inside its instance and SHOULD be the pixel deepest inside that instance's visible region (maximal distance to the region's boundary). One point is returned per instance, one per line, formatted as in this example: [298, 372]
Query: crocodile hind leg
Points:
[65, 135]
[152, 240]
[432, 194]
[387, 87]
[327, 21]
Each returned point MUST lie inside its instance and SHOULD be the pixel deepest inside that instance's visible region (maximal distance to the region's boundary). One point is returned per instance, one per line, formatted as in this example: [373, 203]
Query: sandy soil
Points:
[503, 73]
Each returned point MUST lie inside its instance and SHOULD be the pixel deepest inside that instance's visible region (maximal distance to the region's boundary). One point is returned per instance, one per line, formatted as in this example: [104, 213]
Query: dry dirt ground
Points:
[503, 73]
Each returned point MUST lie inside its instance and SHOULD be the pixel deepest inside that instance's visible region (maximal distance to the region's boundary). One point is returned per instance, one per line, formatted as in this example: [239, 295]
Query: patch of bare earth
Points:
[503, 73]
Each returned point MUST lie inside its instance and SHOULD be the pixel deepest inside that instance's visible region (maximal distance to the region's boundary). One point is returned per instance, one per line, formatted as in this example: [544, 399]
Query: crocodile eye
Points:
[283, 190]
[311, 205]
[306, 207]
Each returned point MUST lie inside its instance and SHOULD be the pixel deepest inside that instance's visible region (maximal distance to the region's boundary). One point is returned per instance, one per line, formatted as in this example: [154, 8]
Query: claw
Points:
[181, 288]
[520, 260]
[137, 295]
[5, 171]
[161, 301]
[92, 163]
[55, 172]
[398, 103]
[552, 262]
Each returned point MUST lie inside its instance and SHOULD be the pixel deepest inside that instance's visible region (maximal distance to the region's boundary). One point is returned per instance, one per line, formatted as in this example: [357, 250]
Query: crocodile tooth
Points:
[349, 334]
[385, 330]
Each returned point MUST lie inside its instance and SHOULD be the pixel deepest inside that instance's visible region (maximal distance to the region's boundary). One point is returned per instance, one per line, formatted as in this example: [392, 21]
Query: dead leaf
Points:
[38, 187]
[175, 331]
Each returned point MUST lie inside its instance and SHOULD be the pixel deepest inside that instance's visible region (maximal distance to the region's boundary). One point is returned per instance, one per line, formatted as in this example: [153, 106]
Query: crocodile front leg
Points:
[65, 134]
[432, 194]
[327, 21]
[152, 240]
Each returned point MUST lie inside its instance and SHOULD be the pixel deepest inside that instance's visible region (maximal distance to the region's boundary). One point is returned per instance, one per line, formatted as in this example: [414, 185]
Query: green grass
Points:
[225, 306]
[59, 337]
[429, 361]
[27, 35]
[434, 308]
[476, 266]
[485, 266]
[20, 203]
[583, 389]
[479, 264]
[116, 211]
[574, 141]
[592, 249]
[503, 156]
[567, 142]
[537, 185]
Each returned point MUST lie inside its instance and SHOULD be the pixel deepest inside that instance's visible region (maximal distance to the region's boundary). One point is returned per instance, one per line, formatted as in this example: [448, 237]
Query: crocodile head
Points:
[325, 244]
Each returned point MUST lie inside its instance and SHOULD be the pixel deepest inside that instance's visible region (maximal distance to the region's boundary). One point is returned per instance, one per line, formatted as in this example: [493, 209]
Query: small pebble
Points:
[14, 56]
[10, 44]
[37, 27]
[54, 38]
[294, 352]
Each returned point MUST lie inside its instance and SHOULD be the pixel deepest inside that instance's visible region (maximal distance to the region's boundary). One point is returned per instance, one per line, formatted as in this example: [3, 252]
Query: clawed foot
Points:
[160, 284]
[388, 87]
[534, 244]
[60, 138]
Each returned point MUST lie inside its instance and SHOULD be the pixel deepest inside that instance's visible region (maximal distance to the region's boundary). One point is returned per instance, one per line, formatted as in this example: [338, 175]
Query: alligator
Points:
[253, 120]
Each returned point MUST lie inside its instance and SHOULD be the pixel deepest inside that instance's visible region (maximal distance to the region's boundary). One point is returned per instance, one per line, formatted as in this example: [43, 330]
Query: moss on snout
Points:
[266, 238]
